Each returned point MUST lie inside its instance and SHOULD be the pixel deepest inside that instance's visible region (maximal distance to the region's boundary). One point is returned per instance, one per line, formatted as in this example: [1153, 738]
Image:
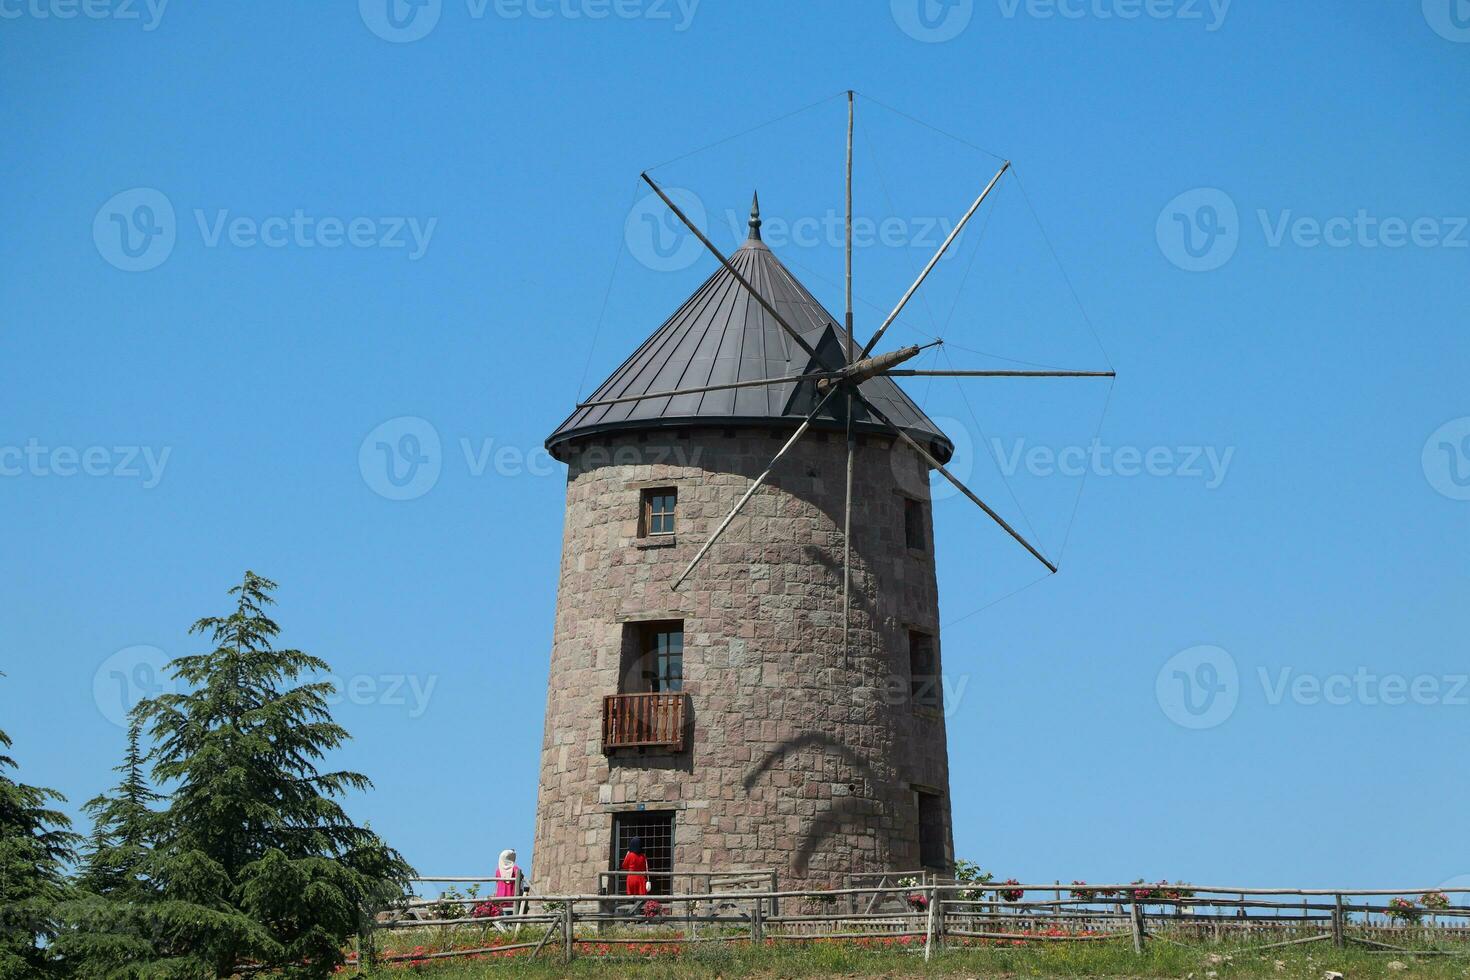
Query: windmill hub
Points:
[869, 367]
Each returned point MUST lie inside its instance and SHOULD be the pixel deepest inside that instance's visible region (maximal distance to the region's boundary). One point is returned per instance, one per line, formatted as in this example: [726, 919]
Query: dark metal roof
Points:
[720, 335]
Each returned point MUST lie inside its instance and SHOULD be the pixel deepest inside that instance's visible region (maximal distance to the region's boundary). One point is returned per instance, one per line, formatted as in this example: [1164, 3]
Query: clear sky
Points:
[239, 238]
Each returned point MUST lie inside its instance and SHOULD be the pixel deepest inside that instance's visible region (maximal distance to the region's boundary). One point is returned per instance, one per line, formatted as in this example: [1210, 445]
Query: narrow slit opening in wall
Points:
[931, 830]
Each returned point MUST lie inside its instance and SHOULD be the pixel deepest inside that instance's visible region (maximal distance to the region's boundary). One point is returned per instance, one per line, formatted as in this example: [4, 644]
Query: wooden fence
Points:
[925, 913]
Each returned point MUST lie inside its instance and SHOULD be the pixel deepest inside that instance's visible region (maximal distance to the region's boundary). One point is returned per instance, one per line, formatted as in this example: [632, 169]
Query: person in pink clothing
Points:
[510, 880]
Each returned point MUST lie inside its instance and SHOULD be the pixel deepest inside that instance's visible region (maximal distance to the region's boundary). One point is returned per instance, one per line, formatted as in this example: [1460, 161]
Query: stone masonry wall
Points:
[799, 761]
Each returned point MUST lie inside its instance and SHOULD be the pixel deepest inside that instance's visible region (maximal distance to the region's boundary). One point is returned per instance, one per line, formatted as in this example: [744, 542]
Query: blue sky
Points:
[1261, 208]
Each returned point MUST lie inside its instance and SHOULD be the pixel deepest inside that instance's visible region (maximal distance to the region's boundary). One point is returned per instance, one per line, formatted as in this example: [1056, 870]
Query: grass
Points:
[1160, 960]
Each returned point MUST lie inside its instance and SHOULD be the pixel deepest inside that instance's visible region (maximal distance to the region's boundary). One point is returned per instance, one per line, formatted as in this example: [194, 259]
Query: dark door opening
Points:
[931, 830]
[656, 827]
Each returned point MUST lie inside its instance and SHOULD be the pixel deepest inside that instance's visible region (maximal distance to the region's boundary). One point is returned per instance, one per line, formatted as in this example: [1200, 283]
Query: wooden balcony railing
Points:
[643, 721]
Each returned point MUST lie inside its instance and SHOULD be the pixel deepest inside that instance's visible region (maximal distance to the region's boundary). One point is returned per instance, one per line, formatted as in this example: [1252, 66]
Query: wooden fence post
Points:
[1136, 918]
[568, 931]
[1339, 925]
[930, 932]
[757, 922]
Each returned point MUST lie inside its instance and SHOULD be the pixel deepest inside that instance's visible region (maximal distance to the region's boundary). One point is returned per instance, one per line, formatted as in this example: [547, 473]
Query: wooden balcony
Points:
[643, 721]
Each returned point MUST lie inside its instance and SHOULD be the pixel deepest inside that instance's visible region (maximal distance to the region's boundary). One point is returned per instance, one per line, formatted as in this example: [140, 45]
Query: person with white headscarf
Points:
[510, 880]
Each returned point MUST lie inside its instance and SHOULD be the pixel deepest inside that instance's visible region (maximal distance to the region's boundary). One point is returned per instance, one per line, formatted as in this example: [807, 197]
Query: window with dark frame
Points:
[654, 658]
[923, 671]
[913, 523]
[657, 514]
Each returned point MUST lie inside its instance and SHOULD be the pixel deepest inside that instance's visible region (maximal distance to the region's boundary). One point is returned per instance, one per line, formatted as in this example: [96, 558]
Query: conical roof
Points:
[722, 335]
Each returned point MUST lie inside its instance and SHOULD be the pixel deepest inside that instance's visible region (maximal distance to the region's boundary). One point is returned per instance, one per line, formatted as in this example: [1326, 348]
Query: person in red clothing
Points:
[636, 882]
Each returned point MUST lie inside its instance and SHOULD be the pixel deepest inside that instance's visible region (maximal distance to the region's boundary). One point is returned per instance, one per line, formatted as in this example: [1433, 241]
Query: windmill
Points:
[837, 377]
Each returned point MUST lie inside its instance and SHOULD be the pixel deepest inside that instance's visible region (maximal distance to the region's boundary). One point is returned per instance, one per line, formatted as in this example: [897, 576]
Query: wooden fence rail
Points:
[936, 912]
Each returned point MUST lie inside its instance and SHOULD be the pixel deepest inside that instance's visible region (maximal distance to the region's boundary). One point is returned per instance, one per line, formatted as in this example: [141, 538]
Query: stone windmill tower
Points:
[746, 664]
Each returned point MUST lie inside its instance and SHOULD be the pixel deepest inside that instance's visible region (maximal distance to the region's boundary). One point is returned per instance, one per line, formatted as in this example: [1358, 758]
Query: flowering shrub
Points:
[1405, 910]
[1162, 892]
[918, 902]
[1010, 894]
[1434, 901]
[485, 910]
[651, 909]
[969, 873]
[1084, 892]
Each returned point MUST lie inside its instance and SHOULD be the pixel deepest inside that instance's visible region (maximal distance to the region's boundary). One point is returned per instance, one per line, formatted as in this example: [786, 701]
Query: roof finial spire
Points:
[755, 216]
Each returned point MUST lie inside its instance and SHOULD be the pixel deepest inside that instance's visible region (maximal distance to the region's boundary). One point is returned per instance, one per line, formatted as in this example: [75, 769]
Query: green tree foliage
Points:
[253, 860]
[123, 826]
[108, 918]
[35, 845]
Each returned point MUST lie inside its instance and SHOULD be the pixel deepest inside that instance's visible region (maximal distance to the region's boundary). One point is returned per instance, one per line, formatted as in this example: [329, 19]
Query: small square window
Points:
[657, 515]
[923, 671]
[913, 523]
